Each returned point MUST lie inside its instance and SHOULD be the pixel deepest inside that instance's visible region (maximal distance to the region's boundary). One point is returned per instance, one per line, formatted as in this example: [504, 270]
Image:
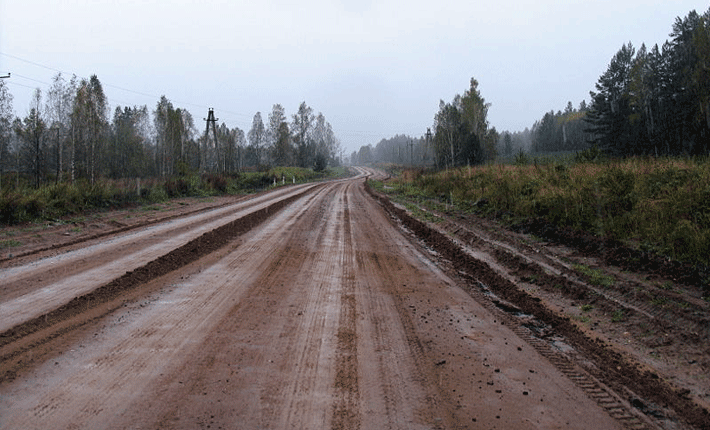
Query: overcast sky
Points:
[373, 68]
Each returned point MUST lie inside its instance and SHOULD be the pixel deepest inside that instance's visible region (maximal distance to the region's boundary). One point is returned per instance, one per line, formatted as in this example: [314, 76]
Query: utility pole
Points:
[211, 119]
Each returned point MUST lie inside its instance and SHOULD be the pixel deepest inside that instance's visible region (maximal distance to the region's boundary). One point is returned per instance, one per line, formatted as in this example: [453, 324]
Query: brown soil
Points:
[33, 239]
[311, 308]
[643, 330]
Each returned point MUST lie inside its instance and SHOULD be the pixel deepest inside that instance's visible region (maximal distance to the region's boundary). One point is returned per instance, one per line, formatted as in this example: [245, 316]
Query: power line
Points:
[31, 79]
[237, 117]
[20, 85]
[153, 96]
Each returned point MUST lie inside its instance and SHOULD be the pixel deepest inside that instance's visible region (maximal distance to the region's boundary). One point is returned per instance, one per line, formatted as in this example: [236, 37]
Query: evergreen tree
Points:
[611, 105]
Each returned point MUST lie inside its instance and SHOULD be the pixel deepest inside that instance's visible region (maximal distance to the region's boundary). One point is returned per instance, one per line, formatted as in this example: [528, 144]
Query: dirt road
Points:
[320, 312]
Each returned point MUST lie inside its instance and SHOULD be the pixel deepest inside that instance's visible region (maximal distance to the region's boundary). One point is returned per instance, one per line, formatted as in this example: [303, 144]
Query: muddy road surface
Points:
[306, 307]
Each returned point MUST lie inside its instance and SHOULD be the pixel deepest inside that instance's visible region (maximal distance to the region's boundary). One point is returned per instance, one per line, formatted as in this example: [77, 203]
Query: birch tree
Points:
[89, 120]
[257, 137]
[301, 128]
[6, 117]
[58, 109]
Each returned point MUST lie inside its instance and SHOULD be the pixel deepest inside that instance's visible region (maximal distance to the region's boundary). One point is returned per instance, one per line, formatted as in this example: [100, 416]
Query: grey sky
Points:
[373, 68]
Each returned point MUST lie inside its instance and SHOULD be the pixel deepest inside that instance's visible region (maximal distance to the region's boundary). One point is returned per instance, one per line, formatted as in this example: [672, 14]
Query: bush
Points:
[10, 207]
[157, 194]
[177, 187]
[217, 183]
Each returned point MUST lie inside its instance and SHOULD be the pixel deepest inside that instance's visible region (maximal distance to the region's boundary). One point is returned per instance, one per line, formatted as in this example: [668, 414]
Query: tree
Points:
[228, 140]
[545, 136]
[282, 149]
[682, 60]
[507, 144]
[32, 131]
[447, 123]
[257, 137]
[90, 124]
[127, 146]
[189, 150]
[58, 109]
[277, 117]
[700, 80]
[462, 134]
[6, 117]
[162, 116]
[455, 143]
[611, 105]
[402, 149]
[175, 131]
[301, 126]
[474, 111]
[240, 143]
[365, 155]
[657, 101]
[326, 144]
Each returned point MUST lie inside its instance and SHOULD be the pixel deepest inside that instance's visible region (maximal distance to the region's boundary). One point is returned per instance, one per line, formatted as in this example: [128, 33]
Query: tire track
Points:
[69, 316]
[611, 369]
[346, 413]
[615, 406]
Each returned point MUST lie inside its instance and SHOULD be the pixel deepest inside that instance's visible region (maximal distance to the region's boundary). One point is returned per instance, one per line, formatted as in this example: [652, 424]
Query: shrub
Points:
[177, 187]
[217, 182]
[157, 194]
[10, 207]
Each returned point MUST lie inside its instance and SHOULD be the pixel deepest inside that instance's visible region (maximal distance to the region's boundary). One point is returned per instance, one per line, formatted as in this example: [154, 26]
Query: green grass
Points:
[151, 208]
[10, 243]
[617, 316]
[660, 205]
[594, 276]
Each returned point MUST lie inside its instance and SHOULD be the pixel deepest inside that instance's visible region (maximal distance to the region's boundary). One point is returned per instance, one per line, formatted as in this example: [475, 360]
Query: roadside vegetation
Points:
[658, 205]
[25, 203]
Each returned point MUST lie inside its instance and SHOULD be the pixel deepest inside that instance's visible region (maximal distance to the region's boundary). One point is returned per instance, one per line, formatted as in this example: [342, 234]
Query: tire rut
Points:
[68, 317]
[610, 369]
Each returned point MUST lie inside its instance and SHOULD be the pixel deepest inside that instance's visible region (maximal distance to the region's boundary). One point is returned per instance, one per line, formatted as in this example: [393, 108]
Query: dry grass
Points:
[660, 204]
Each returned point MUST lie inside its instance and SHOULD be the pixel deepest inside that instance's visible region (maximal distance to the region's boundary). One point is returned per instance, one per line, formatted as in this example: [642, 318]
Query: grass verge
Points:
[51, 202]
[649, 204]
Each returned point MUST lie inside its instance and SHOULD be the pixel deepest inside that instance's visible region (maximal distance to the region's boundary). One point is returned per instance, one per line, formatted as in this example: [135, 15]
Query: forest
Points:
[69, 134]
[649, 101]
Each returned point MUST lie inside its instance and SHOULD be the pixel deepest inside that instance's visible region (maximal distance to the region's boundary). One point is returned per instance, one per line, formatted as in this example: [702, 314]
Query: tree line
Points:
[461, 136]
[648, 102]
[69, 134]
